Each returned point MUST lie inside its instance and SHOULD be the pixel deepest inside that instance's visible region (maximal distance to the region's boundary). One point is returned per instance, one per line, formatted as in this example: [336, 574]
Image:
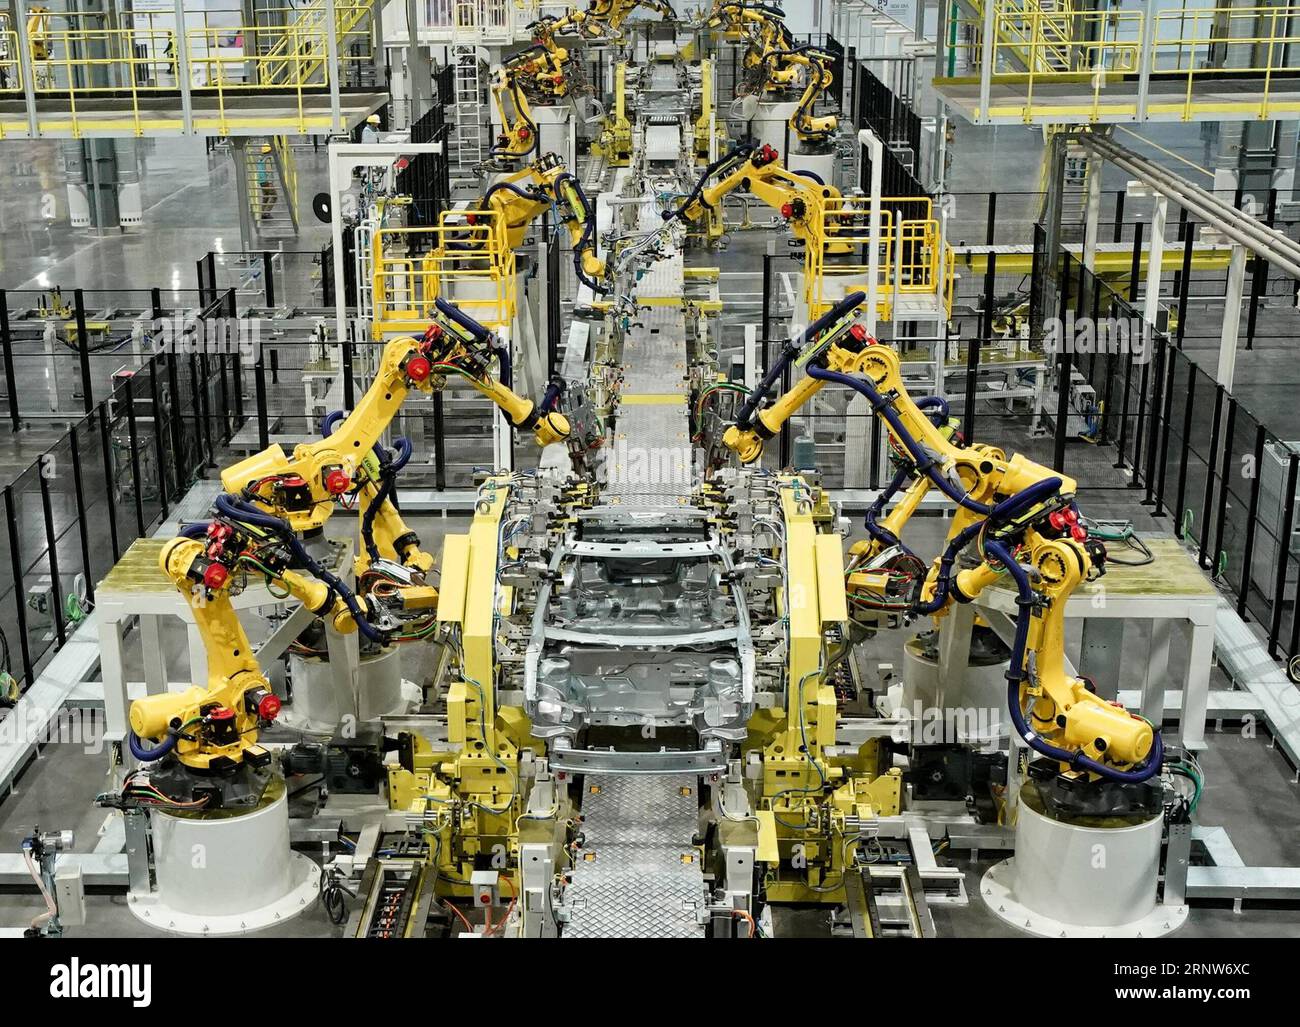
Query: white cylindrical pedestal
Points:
[820, 164]
[771, 125]
[973, 711]
[226, 872]
[318, 705]
[555, 129]
[1082, 882]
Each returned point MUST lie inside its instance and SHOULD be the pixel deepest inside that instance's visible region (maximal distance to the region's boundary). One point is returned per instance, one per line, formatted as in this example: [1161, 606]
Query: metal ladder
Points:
[469, 88]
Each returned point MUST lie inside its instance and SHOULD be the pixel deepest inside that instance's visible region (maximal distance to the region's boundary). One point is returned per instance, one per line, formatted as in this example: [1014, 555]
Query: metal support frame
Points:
[876, 148]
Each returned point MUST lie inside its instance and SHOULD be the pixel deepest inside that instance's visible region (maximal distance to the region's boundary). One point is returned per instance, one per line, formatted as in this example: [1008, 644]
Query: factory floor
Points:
[191, 208]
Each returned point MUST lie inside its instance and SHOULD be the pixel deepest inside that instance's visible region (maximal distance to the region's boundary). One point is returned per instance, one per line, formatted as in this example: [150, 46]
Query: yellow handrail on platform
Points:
[912, 262]
[1199, 47]
[466, 257]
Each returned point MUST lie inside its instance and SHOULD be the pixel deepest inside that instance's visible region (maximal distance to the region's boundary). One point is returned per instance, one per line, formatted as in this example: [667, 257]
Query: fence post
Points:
[1252, 510]
[1179, 504]
[6, 343]
[439, 445]
[83, 351]
[268, 280]
[1166, 411]
[1210, 460]
[1229, 428]
[973, 350]
[157, 435]
[1185, 284]
[135, 457]
[106, 447]
[52, 553]
[80, 493]
[16, 569]
[1283, 549]
[1157, 411]
[1063, 365]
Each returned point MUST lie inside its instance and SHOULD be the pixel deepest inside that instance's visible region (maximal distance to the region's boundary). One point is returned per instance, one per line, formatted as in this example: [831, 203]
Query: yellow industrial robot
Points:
[206, 737]
[601, 19]
[1020, 518]
[547, 185]
[799, 196]
[785, 67]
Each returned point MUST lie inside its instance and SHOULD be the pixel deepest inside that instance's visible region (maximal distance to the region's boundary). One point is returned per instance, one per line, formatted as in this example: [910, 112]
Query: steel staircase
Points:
[1032, 35]
[301, 49]
[272, 185]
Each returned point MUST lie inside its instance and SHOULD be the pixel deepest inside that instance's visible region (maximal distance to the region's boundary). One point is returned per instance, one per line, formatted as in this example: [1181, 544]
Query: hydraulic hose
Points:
[477, 330]
[146, 755]
[238, 510]
[745, 416]
[922, 460]
[1016, 674]
[740, 150]
[934, 403]
[196, 530]
[551, 397]
[877, 507]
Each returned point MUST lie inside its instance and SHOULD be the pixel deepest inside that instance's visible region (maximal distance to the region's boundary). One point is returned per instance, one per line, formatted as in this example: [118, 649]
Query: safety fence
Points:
[1198, 458]
[112, 472]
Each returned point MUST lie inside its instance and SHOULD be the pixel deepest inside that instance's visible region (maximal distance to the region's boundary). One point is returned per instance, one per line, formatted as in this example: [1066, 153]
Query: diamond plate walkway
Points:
[651, 466]
[638, 876]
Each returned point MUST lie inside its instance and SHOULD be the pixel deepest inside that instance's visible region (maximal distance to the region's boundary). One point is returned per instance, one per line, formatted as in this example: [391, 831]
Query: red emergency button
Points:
[1057, 520]
[269, 707]
[215, 576]
[337, 481]
[486, 898]
[418, 368]
[524, 133]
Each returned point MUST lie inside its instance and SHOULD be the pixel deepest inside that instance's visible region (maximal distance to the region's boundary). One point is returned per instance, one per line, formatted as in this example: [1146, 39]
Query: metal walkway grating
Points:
[643, 878]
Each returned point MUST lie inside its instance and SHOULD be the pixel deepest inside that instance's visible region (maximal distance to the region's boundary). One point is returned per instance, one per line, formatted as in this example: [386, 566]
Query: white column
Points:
[1232, 316]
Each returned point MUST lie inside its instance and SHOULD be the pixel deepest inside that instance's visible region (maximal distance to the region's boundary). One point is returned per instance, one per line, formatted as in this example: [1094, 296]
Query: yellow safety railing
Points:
[301, 49]
[11, 74]
[912, 262]
[1040, 33]
[289, 169]
[134, 63]
[70, 67]
[1247, 42]
[1034, 46]
[468, 262]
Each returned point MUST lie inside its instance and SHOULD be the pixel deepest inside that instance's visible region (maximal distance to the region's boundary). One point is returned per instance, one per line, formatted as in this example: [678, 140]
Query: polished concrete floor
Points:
[190, 209]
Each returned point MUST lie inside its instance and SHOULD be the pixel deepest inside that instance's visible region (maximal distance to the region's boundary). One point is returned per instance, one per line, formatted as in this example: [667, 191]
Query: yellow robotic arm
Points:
[545, 185]
[461, 347]
[1008, 508]
[784, 67]
[800, 199]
